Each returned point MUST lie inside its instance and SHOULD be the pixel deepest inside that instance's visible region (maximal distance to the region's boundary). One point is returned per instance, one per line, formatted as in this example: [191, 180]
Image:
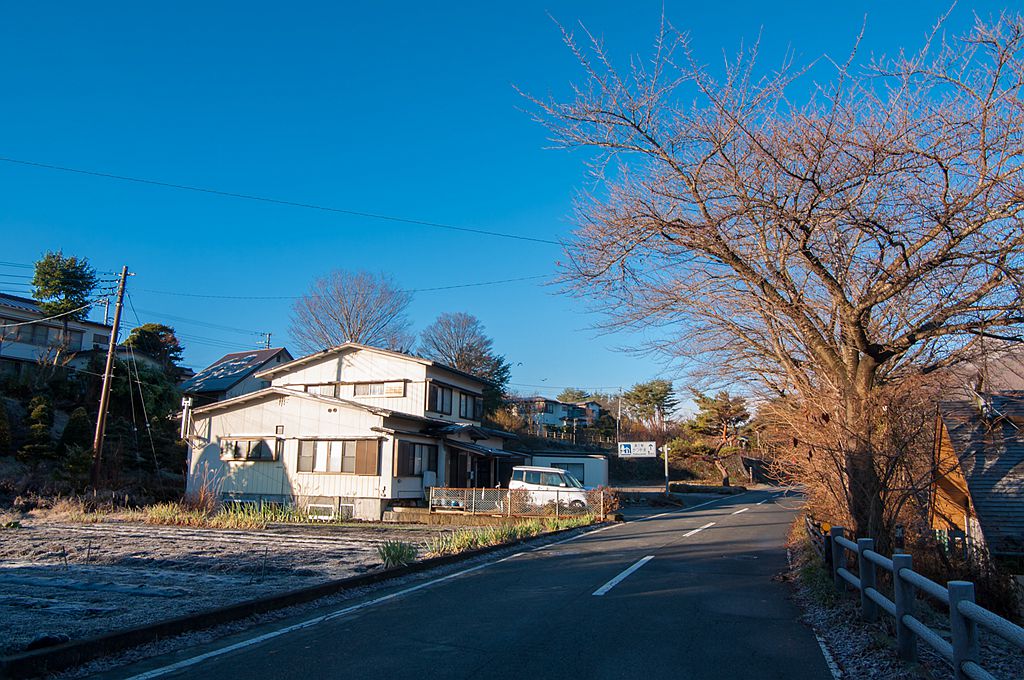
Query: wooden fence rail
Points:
[965, 616]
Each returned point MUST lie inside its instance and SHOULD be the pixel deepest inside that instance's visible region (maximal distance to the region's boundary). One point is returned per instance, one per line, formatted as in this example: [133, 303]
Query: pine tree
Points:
[40, 422]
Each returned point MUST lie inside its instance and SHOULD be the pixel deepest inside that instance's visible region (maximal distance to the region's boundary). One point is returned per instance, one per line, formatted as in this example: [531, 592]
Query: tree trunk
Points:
[724, 471]
[864, 487]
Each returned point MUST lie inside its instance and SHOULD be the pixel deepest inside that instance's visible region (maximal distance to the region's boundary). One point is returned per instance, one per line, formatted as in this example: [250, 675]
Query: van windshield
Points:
[572, 481]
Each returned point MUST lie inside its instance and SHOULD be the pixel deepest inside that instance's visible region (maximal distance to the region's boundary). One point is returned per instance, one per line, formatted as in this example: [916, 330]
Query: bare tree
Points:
[826, 249]
[349, 306]
[458, 340]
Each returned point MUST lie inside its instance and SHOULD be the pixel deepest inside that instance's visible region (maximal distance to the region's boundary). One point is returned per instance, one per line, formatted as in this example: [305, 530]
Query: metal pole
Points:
[837, 558]
[101, 417]
[666, 450]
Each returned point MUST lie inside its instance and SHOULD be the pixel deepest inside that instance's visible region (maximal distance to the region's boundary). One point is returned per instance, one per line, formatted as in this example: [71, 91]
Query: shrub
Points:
[609, 497]
[5, 429]
[396, 553]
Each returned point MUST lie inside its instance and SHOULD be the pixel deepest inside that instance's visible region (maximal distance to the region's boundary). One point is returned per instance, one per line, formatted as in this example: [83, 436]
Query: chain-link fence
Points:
[518, 502]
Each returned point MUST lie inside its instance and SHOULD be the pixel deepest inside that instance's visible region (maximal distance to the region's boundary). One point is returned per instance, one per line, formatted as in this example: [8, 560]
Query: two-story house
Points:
[26, 340]
[353, 427]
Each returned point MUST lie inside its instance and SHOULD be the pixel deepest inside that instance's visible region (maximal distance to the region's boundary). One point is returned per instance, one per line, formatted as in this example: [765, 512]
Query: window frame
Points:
[353, 457]
[438, 398]
[415, 458]
[230, 452]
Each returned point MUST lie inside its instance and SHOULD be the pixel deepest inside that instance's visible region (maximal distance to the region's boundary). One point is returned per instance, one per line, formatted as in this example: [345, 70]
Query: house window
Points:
[414, 458]
[100, 340]
[341, 456]
[440, 399]
[248, 449]
[326, 390]
[382, 389]
[470, 406]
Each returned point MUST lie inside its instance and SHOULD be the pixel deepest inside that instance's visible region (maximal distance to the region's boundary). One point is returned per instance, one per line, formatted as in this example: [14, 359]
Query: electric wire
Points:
[275, 201]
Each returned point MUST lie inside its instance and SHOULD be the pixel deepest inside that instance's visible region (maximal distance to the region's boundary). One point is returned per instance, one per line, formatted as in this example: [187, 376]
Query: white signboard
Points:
[638, 450]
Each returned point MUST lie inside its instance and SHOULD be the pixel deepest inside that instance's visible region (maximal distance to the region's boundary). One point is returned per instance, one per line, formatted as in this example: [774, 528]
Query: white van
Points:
[549, 485]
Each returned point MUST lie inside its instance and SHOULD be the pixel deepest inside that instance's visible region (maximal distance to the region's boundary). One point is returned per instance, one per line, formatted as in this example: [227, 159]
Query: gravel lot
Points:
[81, 580]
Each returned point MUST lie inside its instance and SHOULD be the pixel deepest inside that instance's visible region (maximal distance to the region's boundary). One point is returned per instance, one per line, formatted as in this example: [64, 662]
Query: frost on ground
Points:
[863, 650]
[80, 581]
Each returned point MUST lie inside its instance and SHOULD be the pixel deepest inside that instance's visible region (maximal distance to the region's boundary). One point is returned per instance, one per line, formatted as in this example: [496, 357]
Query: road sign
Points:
[638, 450]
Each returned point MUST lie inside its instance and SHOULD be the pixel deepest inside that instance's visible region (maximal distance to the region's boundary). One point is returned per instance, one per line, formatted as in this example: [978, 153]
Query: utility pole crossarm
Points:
[101, 417]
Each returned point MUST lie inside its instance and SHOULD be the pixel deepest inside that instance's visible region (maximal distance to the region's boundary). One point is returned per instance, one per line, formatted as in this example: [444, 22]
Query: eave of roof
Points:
[285, 392]
[352, 346]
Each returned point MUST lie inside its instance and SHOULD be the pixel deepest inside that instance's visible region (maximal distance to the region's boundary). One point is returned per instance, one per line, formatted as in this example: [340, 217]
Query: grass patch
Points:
[462, 540]
[231, 516]
[396, 553]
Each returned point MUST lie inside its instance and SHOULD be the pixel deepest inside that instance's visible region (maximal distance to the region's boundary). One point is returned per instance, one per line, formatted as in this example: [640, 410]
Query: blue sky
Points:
[400, 108]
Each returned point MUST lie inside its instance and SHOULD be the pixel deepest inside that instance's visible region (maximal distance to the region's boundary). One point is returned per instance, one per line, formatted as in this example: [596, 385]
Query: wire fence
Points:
[519, 502]
[962, 651]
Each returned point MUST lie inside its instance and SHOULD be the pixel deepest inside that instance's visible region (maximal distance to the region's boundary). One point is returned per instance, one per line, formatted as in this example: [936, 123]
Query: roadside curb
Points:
[75, 652]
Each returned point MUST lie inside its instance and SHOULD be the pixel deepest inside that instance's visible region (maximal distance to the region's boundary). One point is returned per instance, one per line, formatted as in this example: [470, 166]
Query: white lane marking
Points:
[832, 665]
[186, 663]
[741, 510]
[764, 501]
[308, 623]
[698, 529]
[676, 512]
[621, 577]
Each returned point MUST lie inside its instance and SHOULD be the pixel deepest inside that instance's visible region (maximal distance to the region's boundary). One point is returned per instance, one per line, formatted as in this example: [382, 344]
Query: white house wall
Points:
[302, 418]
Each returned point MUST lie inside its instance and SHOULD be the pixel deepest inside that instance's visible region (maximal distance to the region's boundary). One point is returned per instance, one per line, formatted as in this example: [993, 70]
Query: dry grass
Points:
[462, 540]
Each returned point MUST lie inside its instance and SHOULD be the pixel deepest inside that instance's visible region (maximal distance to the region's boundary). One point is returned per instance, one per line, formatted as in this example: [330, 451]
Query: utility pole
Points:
[266, 340]
[101, 417]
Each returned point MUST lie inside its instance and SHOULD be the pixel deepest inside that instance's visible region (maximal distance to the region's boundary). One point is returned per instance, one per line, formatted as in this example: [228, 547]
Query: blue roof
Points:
[231, 369]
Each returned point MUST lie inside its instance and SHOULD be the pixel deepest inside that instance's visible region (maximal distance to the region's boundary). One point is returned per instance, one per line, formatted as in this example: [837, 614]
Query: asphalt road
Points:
[685, 594]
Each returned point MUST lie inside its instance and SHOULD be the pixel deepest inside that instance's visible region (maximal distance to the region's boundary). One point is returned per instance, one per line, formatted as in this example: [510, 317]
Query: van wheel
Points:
[578, 505]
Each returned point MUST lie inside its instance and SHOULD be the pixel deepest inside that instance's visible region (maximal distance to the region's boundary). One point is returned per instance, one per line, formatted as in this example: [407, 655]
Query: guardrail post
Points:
[903, 596]
[602, 505]
[867, 574]
[965, 631]
[837, 558]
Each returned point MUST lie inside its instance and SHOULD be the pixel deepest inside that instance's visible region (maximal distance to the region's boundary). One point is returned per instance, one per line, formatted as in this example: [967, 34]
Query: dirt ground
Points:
[80, 580]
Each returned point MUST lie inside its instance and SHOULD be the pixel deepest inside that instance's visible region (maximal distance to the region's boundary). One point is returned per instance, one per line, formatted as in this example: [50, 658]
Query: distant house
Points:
[978, 491]
[350, 430]
[233, 375]
[542, 412]
[26, 340]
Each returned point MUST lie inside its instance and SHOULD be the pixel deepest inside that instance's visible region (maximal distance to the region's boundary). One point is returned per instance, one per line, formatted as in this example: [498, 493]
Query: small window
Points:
[383, 389]
[440, 399]
[517, 475]
[248, 449]
[327, 390]
[532, 477]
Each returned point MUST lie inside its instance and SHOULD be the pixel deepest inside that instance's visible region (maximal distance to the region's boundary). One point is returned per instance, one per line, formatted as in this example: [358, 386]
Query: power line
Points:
[296, 297]
[197, 322]
[276, 201]
[49, 318]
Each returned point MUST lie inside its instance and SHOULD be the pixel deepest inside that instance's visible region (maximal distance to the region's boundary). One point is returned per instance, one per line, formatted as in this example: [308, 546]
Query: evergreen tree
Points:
[63, 285]
[77, 433]
[40, 423]
[159, 342]
[573, 395]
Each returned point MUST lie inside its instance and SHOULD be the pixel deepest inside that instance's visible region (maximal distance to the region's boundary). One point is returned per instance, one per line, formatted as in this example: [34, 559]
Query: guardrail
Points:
[963, 652]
